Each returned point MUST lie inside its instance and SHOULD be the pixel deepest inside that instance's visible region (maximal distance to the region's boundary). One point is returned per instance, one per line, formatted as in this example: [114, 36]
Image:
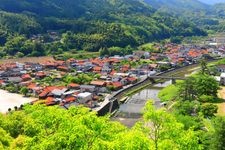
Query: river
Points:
[131, 111]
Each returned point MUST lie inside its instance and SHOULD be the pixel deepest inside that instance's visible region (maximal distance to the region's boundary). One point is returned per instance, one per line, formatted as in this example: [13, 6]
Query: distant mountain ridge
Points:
[212, 2]
[195, 4]
[178, 6]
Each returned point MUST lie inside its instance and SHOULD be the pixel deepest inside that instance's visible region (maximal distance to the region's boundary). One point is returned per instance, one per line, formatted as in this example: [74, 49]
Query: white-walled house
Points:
[222, 79]
[84, 97]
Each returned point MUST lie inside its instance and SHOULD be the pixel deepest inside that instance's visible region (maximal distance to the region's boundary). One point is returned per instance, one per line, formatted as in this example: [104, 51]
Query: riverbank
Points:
[130, 112]
[10, 100]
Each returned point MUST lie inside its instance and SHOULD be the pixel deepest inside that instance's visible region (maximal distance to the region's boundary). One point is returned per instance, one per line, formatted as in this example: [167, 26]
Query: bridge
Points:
[173, 78]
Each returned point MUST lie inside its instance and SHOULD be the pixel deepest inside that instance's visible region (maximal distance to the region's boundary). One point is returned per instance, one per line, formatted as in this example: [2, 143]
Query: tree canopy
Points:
[41, 127]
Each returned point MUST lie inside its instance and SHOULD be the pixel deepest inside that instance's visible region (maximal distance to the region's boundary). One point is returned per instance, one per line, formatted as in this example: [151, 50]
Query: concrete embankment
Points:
[140, 85]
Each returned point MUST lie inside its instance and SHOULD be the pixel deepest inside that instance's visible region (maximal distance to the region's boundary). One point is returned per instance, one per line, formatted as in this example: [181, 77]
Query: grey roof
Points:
[15, 79]
[58, 92]
[87, 86]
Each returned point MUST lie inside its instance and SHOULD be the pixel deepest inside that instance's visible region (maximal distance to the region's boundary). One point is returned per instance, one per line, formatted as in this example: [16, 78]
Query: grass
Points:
[168, 93]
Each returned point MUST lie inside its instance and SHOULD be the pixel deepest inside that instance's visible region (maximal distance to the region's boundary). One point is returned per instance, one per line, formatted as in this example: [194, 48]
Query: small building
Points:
[97, 69]
[84, 97]
[63, 68]
[40, 75]
[14, 79]
[98, 83]
[74, 86]
[222, 79]
[221, 68]
[87, 88]
[117, 85]
[26, 77]
[132, 80]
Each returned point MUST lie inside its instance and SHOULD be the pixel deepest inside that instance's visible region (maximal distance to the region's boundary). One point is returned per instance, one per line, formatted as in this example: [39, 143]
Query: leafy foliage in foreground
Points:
[40, 127]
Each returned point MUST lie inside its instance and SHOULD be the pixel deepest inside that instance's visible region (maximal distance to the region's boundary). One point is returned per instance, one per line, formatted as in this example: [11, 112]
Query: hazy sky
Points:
[212, 1]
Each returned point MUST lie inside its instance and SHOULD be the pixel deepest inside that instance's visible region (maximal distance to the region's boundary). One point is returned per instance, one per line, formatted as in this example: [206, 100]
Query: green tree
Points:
[196, 86]
[218, 136]
[24, 91]
[204, 68]
[5, 139]
[165, 132]
[209, 110]
[104, 52]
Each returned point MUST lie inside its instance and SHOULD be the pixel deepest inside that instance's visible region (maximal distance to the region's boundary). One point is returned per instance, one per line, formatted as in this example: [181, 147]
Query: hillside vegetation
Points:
[93, 24]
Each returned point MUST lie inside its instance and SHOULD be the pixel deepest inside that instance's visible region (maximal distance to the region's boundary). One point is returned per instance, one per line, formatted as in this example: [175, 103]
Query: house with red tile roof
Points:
[47, 91]
[50, 65]
[40, 75]
[73, 86]
[26, 77]
[98, 83]
[69, 99]
[97, 69]
[132, 80]
[63, 68]
[117, 85]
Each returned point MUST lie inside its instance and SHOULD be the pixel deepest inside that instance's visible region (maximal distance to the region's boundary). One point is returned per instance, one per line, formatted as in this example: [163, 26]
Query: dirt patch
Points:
[221, 109]
[221, 93]
[9, 100]
[28, 59]
[221, 106]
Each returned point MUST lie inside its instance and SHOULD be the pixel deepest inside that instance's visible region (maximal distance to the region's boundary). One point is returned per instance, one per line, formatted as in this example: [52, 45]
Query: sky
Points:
[212, 1]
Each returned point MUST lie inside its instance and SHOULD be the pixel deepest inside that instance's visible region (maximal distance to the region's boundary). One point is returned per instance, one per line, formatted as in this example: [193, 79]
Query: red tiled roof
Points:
[113, 72]
[1, 81]
[26, 76]
[32, 86]
[97, 68]
[117, 84]
[49, 99]
[73, 85]
[44, 93]
[50, 88]
[98, 83]
[131, 79]
[124, 69]
[50, 64]
[70, 99]
[181, 59]
[63, 68]
[40, 74]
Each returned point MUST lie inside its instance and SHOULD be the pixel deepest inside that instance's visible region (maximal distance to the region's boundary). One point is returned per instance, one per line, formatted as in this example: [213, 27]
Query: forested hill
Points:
[94, 24]
[74, 8]
[178, 5]
[197, 11]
